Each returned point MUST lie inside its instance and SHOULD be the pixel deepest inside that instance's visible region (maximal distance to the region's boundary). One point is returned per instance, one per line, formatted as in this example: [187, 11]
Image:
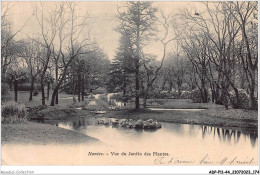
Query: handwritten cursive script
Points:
[205, 160]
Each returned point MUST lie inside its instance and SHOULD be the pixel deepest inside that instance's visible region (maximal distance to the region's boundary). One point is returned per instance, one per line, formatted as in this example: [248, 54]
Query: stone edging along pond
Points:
[130, 123]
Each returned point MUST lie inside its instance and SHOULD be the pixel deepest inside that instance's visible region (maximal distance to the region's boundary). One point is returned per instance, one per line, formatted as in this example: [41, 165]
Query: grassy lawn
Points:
[36, 133]
[64, 99]
[177, 104]
[23, 97]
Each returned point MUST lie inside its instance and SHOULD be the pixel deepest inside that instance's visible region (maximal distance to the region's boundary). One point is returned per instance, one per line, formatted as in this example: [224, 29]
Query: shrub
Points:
[13, 112]
[4, 89]
[118, 97]
[5, 96]
[35, 93]
[51, 112]
[197, 97]
[27, 87]
[242, 101]
[33, 111]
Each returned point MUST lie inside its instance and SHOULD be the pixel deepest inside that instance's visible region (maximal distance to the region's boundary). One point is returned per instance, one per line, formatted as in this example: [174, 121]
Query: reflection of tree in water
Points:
[207, 130]
[175, 127]
[79, 123]
[226, 135]
[253, 137]
[223, 135]
[237, 137]
[191, 130]
[204, 129]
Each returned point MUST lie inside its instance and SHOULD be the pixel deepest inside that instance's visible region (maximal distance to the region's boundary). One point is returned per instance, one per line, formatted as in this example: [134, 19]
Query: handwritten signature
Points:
[205, 160]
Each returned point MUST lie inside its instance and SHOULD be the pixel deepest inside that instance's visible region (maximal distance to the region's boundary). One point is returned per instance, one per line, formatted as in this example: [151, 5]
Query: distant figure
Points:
[197, 14]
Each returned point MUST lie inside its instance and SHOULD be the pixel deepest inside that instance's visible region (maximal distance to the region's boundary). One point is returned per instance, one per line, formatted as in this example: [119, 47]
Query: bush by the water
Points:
[13, 112]
[242, 101]
[51, 112]
[197, 97]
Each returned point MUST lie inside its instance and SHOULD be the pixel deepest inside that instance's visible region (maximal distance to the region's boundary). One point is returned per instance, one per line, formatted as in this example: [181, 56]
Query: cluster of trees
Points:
[221, 43]
[217, 52]
[86, 73]
[61, 54]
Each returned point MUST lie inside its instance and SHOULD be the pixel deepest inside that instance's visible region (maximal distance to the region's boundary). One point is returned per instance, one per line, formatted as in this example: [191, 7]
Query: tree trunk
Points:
[31, 89]
[252, 102]
[145, 100]
[56, 89]
[57, 95]
[137, 97]
[235, 103]
[57, 98]
[179, 91]
[82, 88]
[48, 90]
[42, 89]
[55, 92]
[15, 89]
[137, 102]
[79, 85]
[171, 85]
[43, 74]
[203, 91]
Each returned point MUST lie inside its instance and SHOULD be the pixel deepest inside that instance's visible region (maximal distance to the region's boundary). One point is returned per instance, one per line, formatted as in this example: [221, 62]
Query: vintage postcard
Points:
[129, 83]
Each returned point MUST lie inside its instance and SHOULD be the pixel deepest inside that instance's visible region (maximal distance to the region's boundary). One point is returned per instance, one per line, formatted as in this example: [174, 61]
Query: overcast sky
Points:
[103, 21]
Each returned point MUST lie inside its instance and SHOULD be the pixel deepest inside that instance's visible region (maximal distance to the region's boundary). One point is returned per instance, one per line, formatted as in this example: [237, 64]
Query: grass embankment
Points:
[214, 115]
[36, 133]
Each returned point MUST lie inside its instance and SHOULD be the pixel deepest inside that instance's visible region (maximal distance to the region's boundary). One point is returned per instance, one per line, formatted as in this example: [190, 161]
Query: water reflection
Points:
[253, 138]
[170, 133]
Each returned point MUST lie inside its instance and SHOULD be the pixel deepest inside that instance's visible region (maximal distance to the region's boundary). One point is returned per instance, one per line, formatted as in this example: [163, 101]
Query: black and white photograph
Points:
[158, 83]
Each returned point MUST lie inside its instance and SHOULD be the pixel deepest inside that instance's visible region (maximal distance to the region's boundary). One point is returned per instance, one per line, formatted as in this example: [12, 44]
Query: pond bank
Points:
[212, 117]
[42, 134]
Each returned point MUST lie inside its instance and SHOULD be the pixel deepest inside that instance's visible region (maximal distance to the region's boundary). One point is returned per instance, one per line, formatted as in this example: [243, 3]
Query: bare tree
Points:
[245, 14]
[32, 55]
[47, 20]
[9, 47]
[76, 45]
[220, 28]
[153, 72]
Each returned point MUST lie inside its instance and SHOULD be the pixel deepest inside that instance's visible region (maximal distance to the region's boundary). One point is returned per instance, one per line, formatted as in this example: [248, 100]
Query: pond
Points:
[181, 138]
